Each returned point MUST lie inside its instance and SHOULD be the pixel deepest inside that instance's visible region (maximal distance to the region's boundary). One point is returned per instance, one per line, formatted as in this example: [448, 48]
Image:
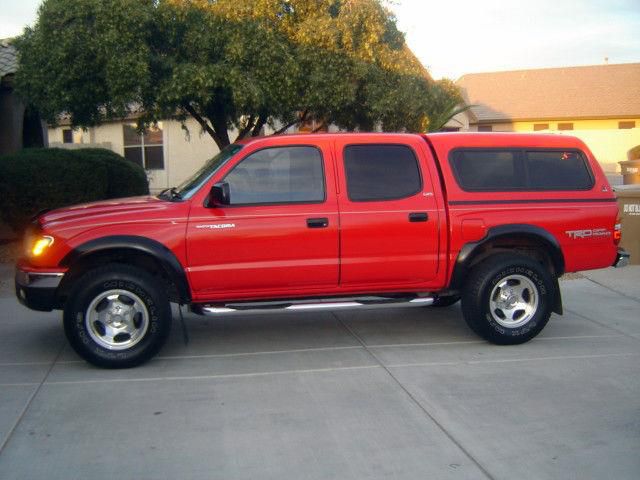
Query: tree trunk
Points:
[207, 127]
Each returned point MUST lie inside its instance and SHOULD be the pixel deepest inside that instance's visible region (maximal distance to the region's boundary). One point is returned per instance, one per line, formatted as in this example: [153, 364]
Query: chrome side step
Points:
[315, 304]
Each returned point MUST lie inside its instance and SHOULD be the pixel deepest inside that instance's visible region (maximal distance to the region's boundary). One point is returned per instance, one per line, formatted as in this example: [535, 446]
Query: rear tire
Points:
[508, 299]
[117, 316]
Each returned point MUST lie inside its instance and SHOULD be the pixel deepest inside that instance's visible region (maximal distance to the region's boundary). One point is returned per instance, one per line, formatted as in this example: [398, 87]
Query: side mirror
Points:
[219, 195]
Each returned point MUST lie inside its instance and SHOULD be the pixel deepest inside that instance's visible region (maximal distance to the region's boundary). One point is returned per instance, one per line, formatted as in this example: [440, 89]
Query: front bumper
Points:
[37, 290]
[622, 259]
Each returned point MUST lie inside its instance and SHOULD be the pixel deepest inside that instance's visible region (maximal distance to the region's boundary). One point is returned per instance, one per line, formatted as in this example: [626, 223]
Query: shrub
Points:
[46, 178]
[126, 179]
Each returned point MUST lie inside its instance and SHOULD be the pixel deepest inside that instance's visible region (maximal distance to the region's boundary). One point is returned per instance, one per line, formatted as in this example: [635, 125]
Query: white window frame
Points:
[142, 145]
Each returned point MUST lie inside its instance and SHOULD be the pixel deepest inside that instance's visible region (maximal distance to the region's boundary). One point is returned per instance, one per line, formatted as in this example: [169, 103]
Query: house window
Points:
[626, 125]
[67, 135]
[565, 126]
[485, 128]
[146, 149]
[540, 126]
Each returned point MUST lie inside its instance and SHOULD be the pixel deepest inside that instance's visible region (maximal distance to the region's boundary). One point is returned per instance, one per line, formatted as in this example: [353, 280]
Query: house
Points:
[170, 151]
[167, 151]
[599, 104]
[20, 125]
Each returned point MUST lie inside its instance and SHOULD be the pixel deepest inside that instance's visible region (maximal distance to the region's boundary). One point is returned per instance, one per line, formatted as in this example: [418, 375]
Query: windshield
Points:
[190, 186]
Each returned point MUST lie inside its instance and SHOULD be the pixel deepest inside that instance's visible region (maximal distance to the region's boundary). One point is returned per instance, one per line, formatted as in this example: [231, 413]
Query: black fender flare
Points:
[470, 251]
[162, 254]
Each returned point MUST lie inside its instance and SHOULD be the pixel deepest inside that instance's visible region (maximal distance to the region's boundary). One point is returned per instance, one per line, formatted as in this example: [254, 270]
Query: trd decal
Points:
[590, 233]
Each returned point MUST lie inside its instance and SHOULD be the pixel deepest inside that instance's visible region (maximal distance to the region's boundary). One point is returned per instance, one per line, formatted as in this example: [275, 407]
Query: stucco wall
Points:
[183, 154]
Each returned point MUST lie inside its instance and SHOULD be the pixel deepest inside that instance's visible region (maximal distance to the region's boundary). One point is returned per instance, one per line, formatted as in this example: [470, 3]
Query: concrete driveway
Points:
[401, 394]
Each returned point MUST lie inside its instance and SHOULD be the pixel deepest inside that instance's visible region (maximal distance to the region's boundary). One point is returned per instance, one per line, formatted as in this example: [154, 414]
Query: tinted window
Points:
[381, 172]
[558, 171]
[278, 175]
[504, 170]
[488, 170]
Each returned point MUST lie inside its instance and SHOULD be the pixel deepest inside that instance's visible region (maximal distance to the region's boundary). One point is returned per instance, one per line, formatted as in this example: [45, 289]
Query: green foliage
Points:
[124, 178]
[229, 64]
[46, 178]
[445, 102]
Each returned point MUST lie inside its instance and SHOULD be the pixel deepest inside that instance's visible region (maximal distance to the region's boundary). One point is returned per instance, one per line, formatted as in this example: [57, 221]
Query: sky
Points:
[454, 37]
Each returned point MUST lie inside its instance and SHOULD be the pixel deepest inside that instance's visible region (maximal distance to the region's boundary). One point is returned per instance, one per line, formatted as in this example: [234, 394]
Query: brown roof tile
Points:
[599, 91]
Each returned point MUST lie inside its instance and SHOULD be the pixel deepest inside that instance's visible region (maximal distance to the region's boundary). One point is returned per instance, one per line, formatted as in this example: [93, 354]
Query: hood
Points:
[106, 212]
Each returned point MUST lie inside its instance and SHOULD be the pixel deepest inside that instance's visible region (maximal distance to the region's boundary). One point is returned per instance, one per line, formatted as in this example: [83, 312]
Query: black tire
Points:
[445, 301]
[119, 298]
[508, 317]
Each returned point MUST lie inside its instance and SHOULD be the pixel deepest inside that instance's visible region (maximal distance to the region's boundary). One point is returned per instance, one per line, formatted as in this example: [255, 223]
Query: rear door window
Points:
[381, 172]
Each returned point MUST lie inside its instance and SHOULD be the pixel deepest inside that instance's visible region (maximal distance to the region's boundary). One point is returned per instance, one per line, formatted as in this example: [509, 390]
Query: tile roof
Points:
[8, 58]
[599, 91]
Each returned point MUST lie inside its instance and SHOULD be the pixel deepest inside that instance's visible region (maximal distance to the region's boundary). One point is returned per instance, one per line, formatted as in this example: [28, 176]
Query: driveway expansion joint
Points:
[6, 440]
[415, 401]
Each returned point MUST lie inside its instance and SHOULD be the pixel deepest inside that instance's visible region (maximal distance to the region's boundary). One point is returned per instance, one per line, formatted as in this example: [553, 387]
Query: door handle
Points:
[317, 222]
[418, 217]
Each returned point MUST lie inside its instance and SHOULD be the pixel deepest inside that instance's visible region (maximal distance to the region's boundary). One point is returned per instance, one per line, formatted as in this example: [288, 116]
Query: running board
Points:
[214, 309]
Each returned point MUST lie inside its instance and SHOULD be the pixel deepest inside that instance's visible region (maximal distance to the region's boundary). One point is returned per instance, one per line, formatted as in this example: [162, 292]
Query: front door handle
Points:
[317, 222]
[418, 217]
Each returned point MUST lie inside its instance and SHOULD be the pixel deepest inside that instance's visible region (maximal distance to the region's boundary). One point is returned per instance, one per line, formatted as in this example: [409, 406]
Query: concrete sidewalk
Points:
[402, 394]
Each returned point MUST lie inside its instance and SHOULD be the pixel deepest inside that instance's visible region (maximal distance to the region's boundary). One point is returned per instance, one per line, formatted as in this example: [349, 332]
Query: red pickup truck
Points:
[331, 221]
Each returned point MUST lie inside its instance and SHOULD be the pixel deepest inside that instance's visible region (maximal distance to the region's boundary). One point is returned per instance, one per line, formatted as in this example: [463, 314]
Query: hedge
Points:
[125, 178]
[46, 178]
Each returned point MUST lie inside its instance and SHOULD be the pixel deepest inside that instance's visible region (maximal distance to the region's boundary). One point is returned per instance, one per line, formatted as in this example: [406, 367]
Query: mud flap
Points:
[557, 304]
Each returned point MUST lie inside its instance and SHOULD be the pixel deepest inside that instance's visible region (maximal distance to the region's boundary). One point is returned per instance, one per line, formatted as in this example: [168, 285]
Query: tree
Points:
[445, 102]
[229, 64]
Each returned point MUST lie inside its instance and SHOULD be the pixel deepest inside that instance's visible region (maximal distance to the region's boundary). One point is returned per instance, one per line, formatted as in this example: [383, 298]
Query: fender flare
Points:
[163, 255]
[470, 251]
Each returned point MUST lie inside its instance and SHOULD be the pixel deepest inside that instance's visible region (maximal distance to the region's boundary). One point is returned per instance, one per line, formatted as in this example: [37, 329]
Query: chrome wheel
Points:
[513, 301]
[117, 319]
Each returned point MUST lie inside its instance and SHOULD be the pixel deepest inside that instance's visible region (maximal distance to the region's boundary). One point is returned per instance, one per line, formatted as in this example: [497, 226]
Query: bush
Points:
[126, 179]
[46, 178]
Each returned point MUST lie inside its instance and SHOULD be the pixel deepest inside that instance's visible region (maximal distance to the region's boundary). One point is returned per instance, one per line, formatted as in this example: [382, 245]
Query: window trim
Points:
[269, 204]
[64, 132]
[520, 155]
[415, 157]
[142, 146]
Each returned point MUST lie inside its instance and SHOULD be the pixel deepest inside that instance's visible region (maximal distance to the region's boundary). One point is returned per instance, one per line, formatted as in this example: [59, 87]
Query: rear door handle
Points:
[418, 217]
[317, 222]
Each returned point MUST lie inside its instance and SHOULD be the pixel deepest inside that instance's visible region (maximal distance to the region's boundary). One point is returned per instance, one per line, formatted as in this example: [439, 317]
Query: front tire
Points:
[117, 316]
[508, 299]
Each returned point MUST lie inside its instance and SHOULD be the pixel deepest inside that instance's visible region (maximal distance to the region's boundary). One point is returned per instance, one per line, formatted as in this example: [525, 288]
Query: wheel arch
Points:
[143, 252]
[531, 240]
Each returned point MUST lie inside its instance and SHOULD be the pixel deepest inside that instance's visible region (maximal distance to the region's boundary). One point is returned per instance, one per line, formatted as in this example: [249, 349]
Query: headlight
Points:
[38, 245]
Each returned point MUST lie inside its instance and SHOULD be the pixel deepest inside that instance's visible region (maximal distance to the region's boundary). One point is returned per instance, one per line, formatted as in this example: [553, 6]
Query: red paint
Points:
[367, 246]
